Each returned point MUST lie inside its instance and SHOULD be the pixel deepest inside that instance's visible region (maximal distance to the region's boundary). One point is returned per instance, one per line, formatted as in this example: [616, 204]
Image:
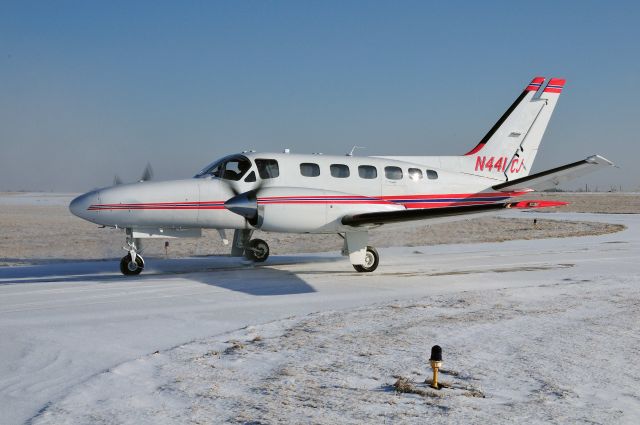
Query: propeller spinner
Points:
[246, 205]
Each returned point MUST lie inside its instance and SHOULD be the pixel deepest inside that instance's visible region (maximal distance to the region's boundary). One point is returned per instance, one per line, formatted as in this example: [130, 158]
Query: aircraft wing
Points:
[551, 178]
[386, 217]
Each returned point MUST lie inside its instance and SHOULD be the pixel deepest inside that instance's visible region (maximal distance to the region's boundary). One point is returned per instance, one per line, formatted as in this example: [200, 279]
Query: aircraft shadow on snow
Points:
[234, 274]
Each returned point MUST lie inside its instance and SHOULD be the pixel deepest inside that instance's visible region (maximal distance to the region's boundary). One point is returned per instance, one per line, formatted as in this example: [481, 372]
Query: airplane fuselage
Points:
[299, 193]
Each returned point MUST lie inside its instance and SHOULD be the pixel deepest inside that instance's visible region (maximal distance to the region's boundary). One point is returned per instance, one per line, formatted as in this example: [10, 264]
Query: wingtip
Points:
[597, 159]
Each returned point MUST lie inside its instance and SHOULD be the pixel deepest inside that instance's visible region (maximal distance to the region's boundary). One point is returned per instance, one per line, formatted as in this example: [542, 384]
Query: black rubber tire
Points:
[124, 265]
[371, 261]
[258, 250]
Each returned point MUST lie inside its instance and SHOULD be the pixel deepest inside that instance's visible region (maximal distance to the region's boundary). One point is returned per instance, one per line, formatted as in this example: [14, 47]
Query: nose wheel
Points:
[257, 250]
[131, 267]
[132, 263]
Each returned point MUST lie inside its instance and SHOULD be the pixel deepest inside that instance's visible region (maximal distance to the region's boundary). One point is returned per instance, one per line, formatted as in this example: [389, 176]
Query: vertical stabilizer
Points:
[507, 151]
[522, 160]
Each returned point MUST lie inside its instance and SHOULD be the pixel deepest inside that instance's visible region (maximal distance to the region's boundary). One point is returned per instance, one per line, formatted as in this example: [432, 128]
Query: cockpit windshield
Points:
[228, 168]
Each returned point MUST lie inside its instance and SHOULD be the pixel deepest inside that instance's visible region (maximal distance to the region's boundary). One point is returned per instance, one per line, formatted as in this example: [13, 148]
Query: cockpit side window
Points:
[268, 168]
[228, 168]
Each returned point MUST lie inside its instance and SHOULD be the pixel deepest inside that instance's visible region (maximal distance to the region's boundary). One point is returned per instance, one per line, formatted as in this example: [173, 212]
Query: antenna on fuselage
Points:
[354, 148]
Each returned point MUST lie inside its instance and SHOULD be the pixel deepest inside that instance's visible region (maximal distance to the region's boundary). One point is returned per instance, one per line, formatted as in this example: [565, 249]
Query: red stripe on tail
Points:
[555, 85]
[535, 84]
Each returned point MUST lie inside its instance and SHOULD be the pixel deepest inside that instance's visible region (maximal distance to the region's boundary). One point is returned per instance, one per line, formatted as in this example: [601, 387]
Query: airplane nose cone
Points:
[80, 205]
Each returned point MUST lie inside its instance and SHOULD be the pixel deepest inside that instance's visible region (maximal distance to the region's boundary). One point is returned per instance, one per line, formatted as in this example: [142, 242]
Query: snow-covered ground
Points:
[36, 198]
[532, 331]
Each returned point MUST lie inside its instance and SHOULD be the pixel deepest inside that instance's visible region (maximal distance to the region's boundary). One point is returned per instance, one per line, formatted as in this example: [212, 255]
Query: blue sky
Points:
[92, 89]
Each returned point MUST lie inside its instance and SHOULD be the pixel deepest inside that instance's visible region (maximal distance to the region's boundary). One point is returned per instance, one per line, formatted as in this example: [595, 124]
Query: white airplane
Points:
[345, 195]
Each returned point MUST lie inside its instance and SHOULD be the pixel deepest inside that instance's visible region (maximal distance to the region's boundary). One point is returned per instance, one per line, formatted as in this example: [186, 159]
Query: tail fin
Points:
[507, 151]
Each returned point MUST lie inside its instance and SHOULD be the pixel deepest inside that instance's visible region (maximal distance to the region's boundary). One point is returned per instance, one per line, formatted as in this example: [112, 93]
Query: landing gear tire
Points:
[257, 250]
[130, 268]
[371, 259]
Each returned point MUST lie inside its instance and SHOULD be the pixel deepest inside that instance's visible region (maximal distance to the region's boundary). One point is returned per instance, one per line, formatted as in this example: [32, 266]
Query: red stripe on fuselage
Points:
[410, 201]
[419, 205]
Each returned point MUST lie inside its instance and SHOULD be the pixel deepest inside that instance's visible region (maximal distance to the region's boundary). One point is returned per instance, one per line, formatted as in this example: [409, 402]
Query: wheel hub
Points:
[368, 259]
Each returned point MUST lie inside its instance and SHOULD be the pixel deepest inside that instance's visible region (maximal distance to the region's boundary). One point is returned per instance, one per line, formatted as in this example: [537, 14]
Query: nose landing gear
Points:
[132, 263]
[131, 267]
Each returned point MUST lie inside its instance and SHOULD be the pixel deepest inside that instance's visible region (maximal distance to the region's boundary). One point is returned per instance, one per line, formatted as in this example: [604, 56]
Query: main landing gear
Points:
[132, 263]
[256, 250]
[364, 258]
[371, 259]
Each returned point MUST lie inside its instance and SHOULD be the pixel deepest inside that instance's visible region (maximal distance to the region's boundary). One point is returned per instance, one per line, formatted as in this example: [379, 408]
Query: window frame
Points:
[387, 170]
[221, 171]
[313, 164]
[333, 166]
[366, 166]
[266, 175]
[419, 174]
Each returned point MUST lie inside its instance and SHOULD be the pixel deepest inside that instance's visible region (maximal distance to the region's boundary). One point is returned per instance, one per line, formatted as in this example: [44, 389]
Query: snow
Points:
[533, 331]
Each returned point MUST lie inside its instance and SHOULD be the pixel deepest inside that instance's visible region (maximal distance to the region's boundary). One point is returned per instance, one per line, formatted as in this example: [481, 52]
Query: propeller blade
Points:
[147, 174]
[235, 191]
[231, 187]
[116, 180]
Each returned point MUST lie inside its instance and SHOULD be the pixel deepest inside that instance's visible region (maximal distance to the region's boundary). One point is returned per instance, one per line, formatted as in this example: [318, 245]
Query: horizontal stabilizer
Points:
[387, 217]
[552, 178]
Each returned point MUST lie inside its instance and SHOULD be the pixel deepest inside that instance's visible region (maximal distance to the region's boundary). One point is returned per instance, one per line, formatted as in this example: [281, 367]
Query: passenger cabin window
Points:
[267, 168]
[367, 171]
[432, 174]
[228, 168]
[339, 170]
[393, 173]
[309, 169]
[415, 174]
